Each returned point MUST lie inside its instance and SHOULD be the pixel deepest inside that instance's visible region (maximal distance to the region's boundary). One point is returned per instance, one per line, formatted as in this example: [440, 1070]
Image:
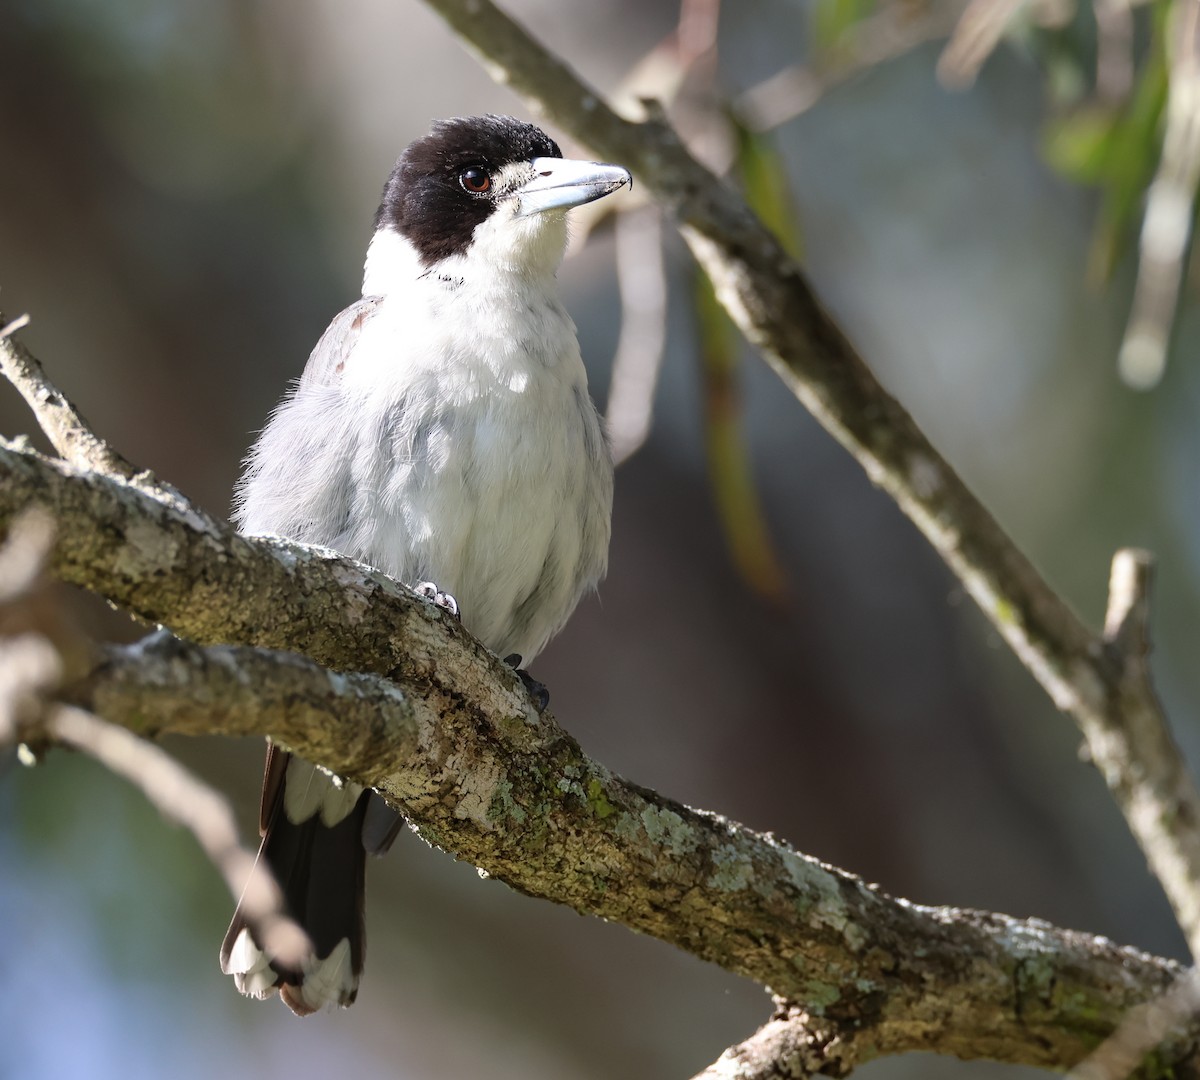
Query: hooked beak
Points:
[561, 183]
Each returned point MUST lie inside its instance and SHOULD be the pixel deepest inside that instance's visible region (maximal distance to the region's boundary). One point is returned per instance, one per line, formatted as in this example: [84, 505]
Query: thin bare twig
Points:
[1135, 752]
[184, 799]
[1114, 50]
[642, 277]
[63, 424]
[892, 31]
[975, 39]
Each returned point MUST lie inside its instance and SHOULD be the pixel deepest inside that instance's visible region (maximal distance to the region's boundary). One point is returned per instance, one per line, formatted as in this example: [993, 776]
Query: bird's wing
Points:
[297, 482]
[328, 357]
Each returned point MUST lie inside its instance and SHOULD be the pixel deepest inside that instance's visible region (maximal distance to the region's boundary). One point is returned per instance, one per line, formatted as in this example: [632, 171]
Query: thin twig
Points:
[184, 799]
[642, 277]
[975, 38]
[63, 424]
[895, 29]
[1127, 616]
[1114, 50]
[1135, 752]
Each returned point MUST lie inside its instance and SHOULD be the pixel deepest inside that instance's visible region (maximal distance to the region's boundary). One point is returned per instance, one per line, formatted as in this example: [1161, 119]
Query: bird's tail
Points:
[313, 842]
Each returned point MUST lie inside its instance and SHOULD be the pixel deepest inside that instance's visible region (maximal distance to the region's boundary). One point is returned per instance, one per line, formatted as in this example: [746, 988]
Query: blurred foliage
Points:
[833, 19]
[1115, 147]
[766, 183]
[738, 504]
[1106, 70]
[764, 179]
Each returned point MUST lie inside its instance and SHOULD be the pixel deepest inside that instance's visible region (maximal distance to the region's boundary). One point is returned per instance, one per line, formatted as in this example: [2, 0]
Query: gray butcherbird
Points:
[442, 431]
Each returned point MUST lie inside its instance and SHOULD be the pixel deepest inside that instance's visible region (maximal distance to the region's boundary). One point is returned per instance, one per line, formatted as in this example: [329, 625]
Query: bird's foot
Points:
[435, 596]
[537, 691]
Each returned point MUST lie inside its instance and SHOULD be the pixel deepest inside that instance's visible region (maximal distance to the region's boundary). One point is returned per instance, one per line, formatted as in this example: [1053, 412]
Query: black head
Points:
[450, 181]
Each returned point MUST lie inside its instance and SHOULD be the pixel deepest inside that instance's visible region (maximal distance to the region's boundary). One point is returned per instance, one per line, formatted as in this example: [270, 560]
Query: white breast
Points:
[463, 449]
[481, 466]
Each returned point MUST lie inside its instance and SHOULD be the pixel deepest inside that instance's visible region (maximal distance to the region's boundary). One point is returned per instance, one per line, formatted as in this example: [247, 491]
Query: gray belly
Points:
[505, 503]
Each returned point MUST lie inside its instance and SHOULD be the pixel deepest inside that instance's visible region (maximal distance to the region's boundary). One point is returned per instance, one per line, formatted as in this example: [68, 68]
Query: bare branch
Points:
[516, 796]
[457, 746]
[66, 429]
[1132, 747]
[890, 32]
[164, 684]
[975, 39]
[1127, 619]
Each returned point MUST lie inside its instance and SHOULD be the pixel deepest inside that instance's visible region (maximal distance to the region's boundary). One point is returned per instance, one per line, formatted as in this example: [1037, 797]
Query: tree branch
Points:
[1132, 746]
[515, 795]
[456, 745]
[773, 304]
[461, 750]
[38, 647]
[792, 1045]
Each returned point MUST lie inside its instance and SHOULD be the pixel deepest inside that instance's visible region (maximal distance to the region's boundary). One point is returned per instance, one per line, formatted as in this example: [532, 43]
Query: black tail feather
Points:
[321, 870]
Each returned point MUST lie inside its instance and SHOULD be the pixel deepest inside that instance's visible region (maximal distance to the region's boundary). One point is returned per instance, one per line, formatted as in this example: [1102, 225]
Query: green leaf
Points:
[764, 177]
[730, 473]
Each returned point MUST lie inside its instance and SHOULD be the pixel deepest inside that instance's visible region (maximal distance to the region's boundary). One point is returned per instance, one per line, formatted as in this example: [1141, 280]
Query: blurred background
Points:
[186, 193]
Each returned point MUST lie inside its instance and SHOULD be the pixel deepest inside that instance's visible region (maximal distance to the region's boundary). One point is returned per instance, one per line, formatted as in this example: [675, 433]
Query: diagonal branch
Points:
[455, 743]
[773, 304]
[1132, 746]
[516, 796]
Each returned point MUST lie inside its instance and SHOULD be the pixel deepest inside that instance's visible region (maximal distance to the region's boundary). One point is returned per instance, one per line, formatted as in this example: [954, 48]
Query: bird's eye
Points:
[475, 180]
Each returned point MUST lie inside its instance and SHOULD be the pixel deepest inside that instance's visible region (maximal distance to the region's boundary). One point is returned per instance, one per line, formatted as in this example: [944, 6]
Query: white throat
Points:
[392, 264]
[504, 249]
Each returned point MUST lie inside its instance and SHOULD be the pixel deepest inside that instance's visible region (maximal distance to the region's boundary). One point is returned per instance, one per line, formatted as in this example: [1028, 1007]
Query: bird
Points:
[441, 431]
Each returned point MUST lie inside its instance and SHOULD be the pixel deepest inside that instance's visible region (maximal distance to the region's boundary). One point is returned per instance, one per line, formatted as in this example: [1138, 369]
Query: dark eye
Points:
[475, 180]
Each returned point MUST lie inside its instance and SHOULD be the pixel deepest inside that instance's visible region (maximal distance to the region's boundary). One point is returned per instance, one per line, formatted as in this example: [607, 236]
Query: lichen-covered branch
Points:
[451, 739]
[773, 304]
[39, 647]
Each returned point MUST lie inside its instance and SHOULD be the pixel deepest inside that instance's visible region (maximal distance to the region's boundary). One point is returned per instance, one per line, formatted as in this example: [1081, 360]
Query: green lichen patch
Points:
[598, 801]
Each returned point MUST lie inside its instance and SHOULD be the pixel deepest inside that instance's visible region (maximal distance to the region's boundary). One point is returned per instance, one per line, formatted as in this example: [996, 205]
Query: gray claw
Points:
[435, 596]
